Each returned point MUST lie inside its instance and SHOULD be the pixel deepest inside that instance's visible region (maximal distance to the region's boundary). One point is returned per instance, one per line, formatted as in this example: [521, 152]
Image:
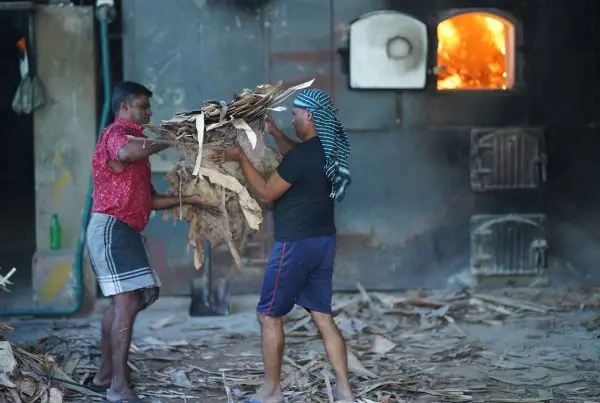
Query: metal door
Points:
[507, 159]
[511, 244]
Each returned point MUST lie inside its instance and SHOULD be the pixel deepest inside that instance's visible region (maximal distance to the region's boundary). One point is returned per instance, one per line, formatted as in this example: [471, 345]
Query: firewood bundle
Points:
[201, 133]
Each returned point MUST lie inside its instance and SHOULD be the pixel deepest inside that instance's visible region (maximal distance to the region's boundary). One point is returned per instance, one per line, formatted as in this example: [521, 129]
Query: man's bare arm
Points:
[163, 202]
[138, 150]
[284, 143]
[266, 190]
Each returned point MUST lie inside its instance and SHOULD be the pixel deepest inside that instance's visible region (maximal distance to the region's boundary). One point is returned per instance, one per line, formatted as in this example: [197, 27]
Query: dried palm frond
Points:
[197, 135]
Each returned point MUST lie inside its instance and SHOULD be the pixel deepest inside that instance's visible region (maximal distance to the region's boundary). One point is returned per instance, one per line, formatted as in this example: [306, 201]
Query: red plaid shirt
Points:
[127, 195]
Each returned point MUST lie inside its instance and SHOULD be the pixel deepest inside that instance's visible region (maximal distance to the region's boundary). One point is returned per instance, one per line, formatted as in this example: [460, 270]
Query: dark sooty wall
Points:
[407, 219]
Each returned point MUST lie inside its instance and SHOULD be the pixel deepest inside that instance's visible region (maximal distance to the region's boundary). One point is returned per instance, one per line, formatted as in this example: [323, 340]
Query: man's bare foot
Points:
[97, 383]
[267, 395]
[344, 395]
[102, 381]
[125, 394]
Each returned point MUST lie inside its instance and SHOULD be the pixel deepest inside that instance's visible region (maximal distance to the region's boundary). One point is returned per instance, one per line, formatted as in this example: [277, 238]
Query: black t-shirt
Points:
[305, 210]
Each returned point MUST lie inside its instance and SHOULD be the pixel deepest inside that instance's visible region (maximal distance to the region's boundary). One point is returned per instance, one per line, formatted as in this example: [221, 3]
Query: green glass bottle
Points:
[55, 233]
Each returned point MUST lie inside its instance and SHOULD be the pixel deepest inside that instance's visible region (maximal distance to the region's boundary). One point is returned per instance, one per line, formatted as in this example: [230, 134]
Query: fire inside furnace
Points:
[475, 53]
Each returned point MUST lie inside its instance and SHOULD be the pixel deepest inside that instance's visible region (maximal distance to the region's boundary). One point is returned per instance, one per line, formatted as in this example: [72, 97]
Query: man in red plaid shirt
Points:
[123, 199]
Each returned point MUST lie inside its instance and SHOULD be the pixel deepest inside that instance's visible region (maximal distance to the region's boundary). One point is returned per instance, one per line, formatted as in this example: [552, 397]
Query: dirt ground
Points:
[503, 346]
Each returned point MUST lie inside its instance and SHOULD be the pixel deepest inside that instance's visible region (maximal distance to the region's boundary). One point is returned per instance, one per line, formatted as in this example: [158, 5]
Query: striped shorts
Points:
[119, 258]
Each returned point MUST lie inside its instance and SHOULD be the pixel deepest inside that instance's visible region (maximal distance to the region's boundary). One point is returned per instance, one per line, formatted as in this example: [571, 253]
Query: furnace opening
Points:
[475, 52]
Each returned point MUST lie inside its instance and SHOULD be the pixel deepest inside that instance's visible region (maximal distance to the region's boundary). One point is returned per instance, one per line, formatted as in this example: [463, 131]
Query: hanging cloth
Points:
[30, 94]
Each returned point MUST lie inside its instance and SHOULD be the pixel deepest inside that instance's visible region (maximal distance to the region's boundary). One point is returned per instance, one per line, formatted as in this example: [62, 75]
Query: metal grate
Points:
[508, 245]
[507, 159]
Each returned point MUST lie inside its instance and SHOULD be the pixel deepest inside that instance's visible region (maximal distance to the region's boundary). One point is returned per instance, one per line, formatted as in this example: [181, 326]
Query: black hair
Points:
[125, 91]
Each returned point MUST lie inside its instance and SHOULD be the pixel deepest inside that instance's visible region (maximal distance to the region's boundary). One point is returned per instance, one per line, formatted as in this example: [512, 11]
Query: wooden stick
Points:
[512, 303]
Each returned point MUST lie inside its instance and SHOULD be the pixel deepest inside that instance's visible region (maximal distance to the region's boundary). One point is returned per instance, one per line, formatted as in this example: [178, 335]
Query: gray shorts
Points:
[119, 258]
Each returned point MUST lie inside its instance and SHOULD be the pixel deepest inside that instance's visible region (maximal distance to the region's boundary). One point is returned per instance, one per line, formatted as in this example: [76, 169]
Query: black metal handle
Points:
[540, 247]
[541, 166]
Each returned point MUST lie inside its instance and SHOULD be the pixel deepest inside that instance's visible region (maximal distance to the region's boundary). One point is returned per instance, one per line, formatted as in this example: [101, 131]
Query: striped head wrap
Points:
[333, 138]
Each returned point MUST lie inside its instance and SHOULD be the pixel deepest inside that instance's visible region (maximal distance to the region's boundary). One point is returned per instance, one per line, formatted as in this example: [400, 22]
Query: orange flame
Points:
[472, 52]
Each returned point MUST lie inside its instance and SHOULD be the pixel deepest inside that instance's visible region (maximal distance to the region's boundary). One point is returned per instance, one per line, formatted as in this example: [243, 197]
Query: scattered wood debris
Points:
[200, 134]
[592, 323]
[26, 377]
[401, 348]
[4, 280]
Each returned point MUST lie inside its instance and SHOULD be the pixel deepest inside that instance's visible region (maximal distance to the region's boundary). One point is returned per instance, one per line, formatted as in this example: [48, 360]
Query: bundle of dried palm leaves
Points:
[198, 134]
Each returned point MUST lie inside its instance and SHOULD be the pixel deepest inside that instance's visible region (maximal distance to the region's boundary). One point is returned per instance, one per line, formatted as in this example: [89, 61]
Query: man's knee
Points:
[127, 301]
[136, 301]
[268, 320]
[323, 321]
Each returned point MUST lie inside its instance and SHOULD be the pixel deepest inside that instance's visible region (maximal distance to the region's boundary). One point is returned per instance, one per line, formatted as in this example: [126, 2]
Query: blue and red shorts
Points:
[299, 273]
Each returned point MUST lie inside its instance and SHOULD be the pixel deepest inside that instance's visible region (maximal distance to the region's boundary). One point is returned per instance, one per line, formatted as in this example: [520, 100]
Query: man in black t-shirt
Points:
[311, 176]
